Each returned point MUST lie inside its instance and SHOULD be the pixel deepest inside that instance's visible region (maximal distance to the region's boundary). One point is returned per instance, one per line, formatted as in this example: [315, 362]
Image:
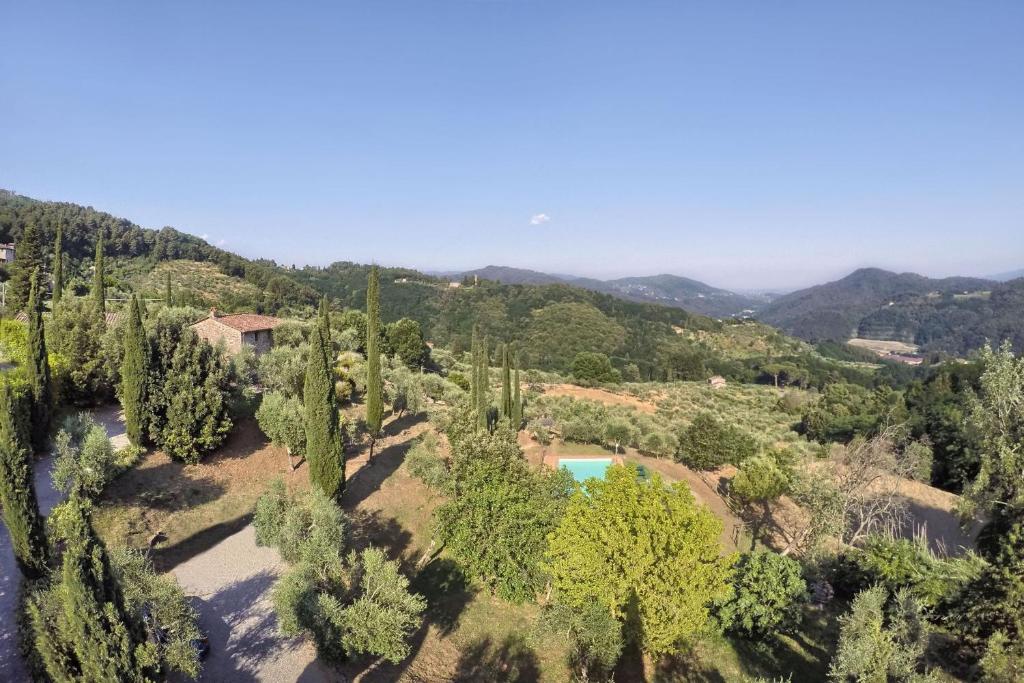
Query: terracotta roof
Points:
[249, 322]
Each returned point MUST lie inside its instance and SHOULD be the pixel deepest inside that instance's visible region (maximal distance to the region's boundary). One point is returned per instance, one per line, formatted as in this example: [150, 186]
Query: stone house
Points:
[716, 382]
[6, 253]
[237, 329]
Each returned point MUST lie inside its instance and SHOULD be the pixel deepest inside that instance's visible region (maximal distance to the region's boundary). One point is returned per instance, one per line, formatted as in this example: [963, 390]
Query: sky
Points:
[746, 144]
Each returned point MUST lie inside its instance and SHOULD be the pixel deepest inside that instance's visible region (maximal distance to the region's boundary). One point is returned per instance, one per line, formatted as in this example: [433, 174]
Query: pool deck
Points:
[552, 459]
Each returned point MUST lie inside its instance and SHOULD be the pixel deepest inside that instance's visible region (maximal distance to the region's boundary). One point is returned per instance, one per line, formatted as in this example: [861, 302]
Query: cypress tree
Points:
[506, 384]
[38, 367]
[28, 259]
[58, 267]
[92, 622]
[323, 433]
[374, 384]
[99, 287]
[517, 398]
[168, 297]
[133, 374]
[17, 494]
[483, 396]
[474, 373]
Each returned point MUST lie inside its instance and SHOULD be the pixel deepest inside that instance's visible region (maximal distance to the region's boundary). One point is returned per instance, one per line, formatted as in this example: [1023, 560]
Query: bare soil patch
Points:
[600, 395]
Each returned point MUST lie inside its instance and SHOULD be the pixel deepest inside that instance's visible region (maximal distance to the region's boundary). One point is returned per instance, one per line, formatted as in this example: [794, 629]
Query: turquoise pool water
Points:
[585, 468]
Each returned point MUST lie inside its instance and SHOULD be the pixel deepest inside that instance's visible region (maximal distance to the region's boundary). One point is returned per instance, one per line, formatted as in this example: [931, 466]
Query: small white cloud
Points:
[539, 219]
[221, 243]
[204, 236]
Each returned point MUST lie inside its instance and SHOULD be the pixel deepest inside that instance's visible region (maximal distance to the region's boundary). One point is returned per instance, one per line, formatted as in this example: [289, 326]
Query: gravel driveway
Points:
[231, 583]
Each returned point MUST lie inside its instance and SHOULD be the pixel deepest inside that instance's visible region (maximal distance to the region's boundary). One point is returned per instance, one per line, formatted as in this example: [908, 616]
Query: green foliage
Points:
[404, 390]
[763, 477]
[876, 647]
[558, 332]
[903, 563]
[187, 392]
[374, 382]
[644, 551]
[847, 410]
[768, 595]
[708, 443]
[283, 368]
[996, 415]
[384, 613]
[99, 276]
[269, 514]
[28, 260]
[17, 493]
[589, 367]
[505, 407]
[618, 432]
[86, 461]
[133, 374]
[282, 419]
[1003, 661]
[143, 589]
[498, 497]
[38, 367]
[82, 627]
[594, 638]
[405, 338]
[323, 433]
[79, 335]
[58, 267]
[424, 462]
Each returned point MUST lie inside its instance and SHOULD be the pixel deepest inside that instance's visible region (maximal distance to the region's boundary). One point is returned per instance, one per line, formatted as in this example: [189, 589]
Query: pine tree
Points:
[58, 267]
[517, 398]
[323, 433]
[92, 622]
[28, 259]
[133, 374]
[506, 384]
[17, 494]
[168, 296]
[374, 383]
[99, 287]
[38, 367]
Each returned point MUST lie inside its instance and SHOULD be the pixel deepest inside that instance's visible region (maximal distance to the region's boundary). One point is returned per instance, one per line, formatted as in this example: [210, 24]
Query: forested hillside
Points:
[135, 250]
[955, 315]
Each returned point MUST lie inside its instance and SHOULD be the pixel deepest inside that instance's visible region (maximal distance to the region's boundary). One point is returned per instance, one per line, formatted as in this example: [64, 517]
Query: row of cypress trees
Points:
[510, 407]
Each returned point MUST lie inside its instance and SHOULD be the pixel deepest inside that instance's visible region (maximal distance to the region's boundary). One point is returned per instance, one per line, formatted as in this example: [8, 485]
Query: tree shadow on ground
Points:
[242, 632]
[448, 592]
[372, 474]
[684, 667]
[371, 528]
[168, 487]
[510, 661]
[168, 557]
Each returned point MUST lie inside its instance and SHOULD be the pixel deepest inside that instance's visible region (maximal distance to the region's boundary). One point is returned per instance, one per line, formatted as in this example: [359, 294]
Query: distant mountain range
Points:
[667, 290]
[955, 314]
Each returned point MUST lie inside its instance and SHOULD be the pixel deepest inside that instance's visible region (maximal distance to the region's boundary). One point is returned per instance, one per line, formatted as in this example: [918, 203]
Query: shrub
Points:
[282, 419]
[269, 514]
[86, 460]
[594, 368]
[424, 462]
[708, 443]
[768, 595]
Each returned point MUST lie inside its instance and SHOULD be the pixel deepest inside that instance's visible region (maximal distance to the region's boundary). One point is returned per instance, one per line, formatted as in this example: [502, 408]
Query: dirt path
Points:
[11, 663]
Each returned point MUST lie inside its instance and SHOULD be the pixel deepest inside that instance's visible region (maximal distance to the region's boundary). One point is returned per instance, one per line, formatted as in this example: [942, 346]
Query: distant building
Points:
[237, 329]
[716, 382]
[454, 285]
[903, 358]
[7, 253]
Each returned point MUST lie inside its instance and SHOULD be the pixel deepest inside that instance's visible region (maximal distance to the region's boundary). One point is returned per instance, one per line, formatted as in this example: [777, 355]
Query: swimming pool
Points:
[585, 468]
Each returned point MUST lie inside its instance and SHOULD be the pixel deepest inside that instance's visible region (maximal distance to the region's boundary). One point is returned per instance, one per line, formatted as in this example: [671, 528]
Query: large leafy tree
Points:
[768, 594]
[38, 367]
[406, 341]
[323, 433]
[17, 494]
[28, 259]
[133, 374]
[496, 496]
[374, 382]
[646, 552]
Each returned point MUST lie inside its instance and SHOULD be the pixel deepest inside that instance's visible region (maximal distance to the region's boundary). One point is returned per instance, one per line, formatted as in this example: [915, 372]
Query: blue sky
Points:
[745, 144]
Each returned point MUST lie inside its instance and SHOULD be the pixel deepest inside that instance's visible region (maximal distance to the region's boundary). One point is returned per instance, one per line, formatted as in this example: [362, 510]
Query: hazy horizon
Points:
[749, 147]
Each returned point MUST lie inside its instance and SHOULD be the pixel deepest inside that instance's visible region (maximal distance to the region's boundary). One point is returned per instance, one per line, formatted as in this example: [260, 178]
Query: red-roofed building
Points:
[237, 329]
